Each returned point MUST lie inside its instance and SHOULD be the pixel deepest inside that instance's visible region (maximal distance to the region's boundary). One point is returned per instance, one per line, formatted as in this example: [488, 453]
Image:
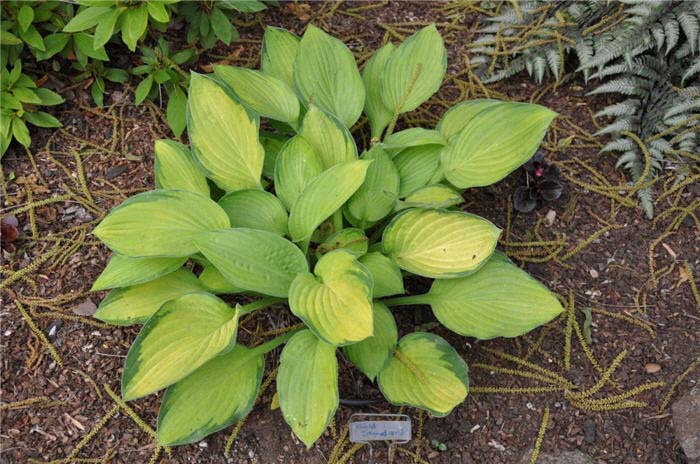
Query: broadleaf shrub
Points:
[311, 221]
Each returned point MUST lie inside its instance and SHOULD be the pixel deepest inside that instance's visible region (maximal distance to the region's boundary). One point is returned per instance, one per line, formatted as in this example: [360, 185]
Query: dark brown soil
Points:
[638, 269]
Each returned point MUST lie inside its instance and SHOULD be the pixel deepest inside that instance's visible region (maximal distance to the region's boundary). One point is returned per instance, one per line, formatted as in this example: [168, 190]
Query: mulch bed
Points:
[627, 281]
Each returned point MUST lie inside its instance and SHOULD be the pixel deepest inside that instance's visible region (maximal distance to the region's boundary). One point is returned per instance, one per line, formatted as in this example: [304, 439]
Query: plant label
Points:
[380, 427]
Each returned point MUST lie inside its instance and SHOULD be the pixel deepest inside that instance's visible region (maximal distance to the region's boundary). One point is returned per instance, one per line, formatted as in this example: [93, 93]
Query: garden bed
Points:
[628, 280]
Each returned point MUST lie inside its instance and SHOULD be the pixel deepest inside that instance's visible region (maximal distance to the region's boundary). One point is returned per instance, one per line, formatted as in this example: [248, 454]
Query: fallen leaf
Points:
[86, 308]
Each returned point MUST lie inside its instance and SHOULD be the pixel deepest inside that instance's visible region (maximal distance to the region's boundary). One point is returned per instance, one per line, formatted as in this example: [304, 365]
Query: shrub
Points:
[310, 224]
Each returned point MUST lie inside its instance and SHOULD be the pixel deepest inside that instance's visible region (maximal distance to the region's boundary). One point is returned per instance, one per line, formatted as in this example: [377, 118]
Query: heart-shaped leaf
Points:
[494, 143]
[439, 244]
[175, 168]
[413, 137]
[326, 75]
[136, 304]
[425, 372]
[336, 302]
[499, 300]
[214, 281]
[216, 395]
[456, 118]
[328, 138]
[297, 165]
[279, 51]
[377, 195]
[432, 196]
[160, 223]
[307, 384]
[181, 336]
[375, 109]
[255, 209]
[255, 260]
[325, 194]
[224, 136]
[371, 354]
[417, 166]
[349, 239]
[122, 271]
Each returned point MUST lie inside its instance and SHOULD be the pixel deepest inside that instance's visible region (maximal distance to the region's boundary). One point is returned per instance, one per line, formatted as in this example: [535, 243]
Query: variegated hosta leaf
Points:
[427, 373]
[456, 118]
[385, 274]
[136, 304]
[122, 271]
[255, 209]
[375, 109]
[414, 71]
[499, 300]
[255, 260]
[439, 244]
[175, 168]
[350, 239]
[432, 196]
[279, 50]
[216, 395]
[336, 302]
[224, 136]
[181, 336]
[272, 144]
[297, 165]
[325, 194]
[160, 223]
[413, 137]
[377, 195]
[329, 139]
[417, 167]
[214, 281]
[371, 354]
[266, 95]
[325, 74]
[494, 143]
[307, 384]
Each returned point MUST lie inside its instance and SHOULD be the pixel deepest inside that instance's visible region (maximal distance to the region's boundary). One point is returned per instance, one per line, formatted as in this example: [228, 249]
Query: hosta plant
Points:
[302, 218]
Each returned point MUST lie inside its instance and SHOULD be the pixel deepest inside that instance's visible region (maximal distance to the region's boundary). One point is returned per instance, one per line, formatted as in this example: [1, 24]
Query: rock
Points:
[86, 308]
[686, 424]
[558, 457]
[589, 430]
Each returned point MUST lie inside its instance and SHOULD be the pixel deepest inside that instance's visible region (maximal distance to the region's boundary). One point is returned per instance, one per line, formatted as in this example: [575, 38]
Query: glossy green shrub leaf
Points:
[427, 373]
[331, 141]
[375, 109]
[279, 50]
[372, 354]
[136, 304]
[377, 195]
[432, 196]
[417, 167]
[297, 165]
[413, 137]
[385, 274]
[181, 336]
[326, 75]
[134, 24]
[350, 239]
[216, 395]
[439, 244]
[224, 136]
[307, 384]
[214, 281]
[323, 196]
[160, 223]
[495, 143]
[175, 168]
[123, 271]
[499, 300]
[266, 95]
[255, 260]
[336, 302]
[414, 71]
[456, 118]
[255, 209]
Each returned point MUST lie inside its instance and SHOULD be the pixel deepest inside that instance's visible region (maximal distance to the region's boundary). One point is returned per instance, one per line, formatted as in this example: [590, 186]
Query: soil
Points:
[632, 276]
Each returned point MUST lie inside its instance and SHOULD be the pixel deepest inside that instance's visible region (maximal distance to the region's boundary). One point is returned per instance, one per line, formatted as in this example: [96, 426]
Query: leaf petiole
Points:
[259, 304]
[275, 342]
[423, 299]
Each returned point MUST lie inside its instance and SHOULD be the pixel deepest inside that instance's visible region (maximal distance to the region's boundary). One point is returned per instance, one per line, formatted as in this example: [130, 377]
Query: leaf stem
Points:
[258, 304]
[337, 220]
[423, 299]
[275, 342]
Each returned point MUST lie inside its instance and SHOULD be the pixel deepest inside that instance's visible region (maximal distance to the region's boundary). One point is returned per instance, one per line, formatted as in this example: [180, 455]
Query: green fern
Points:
[645, 50]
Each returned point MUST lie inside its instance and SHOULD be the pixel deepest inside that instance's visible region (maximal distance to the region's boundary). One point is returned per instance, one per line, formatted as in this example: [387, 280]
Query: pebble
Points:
[652, 368]
[686, 424]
